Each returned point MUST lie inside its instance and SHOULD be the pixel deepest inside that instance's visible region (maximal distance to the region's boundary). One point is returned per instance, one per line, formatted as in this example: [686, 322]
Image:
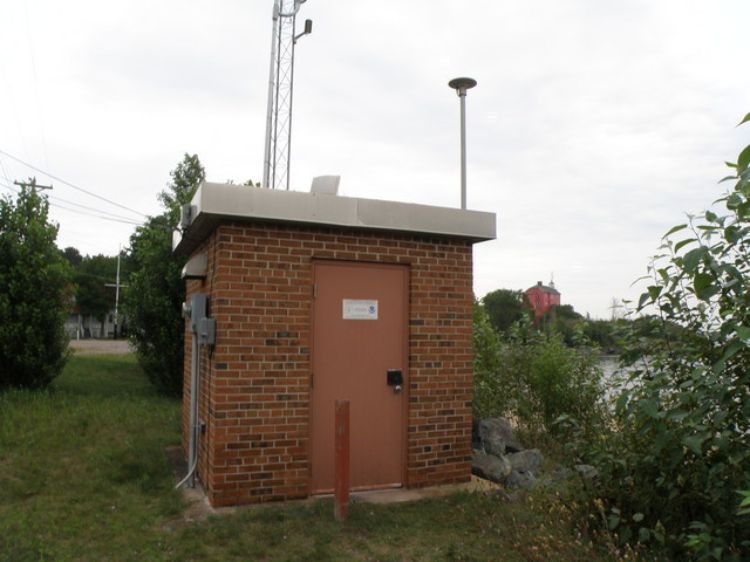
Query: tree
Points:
[34, 283]
[186, 177]
[156, 292]
[504, 307]
[73, 256]
[92, 295]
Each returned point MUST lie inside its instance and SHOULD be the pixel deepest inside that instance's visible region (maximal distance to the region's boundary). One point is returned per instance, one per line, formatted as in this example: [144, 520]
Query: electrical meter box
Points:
[198, 309]
[207, 331]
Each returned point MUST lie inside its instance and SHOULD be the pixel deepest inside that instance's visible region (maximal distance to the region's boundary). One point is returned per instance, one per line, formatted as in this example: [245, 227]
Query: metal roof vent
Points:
[326, 184]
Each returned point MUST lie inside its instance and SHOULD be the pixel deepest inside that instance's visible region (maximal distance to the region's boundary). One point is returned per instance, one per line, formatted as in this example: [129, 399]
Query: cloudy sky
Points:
[594, 127]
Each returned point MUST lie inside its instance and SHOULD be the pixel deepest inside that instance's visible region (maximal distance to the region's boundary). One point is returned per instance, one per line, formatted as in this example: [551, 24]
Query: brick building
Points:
[316, 298]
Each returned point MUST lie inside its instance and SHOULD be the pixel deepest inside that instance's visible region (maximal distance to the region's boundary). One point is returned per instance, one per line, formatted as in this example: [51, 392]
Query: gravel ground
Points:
[97, 347]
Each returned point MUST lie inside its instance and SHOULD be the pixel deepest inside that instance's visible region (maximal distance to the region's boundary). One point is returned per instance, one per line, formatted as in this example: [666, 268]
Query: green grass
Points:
[83, 476]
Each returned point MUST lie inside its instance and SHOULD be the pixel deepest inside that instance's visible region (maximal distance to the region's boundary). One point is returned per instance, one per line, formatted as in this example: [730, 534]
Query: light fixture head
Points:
[462, 84]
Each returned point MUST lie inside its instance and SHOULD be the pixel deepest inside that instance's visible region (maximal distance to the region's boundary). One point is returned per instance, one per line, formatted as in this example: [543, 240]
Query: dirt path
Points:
[99, 347]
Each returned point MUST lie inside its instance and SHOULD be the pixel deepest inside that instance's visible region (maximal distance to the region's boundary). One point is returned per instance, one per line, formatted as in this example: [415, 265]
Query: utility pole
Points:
[32, 184]
[614, 307]
[117, 286]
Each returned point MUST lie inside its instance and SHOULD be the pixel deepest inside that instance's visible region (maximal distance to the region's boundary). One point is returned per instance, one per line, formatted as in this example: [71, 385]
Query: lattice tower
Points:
[278, 144]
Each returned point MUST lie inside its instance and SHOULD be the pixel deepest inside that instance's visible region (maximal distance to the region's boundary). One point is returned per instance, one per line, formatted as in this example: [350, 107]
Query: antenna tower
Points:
[278, 145]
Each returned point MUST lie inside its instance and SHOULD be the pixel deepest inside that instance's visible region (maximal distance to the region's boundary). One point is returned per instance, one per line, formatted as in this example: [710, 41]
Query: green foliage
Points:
[185, 179]
[602, 333]
[535, 378]
[681, 448]
[564, 320]
[34, 279]
[489, 397]
[91, 275]
[72, 256]
[153, 300]
[504, 307]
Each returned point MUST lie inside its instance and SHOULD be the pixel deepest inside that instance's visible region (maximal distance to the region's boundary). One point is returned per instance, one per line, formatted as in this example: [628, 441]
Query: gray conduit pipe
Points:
[193, 435]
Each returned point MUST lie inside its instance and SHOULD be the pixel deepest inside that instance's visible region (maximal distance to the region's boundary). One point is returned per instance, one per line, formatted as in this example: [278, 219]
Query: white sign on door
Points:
[355, 309]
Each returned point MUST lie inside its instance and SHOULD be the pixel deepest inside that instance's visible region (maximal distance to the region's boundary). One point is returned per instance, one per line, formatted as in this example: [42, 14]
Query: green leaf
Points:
[643, 535]
[683, 243]
[743, 159]
[732, 234]
[691, 260]
[745, 119]
[710, 216]
[744, 508]
[734, 201]
[701, 281]
[675, 229]
[731, 351]
[727, 178]
[638, 517]
[743, 332]
[650, 408]
[694, 443]
[622, 402]
[654, 291]
[643, 300]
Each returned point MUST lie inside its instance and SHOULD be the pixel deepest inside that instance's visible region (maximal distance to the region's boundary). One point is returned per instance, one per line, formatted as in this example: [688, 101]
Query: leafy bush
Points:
[153, 300]
[535, 378]
[489, 397]
[34, 280]
[680, 452]
[153, 305]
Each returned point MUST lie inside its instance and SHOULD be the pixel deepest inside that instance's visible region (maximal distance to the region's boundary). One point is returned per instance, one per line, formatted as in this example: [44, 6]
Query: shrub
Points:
[535, 378]
[153, 302]
[153, 306]
[680, 453]
[34, 283]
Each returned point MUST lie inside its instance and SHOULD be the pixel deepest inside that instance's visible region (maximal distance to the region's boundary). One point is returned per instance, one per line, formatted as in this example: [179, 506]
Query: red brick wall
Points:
[255, 391]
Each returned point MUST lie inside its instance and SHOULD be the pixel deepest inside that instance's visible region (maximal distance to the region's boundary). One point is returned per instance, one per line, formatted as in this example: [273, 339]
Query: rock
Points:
[520, 480]
[561, 473]
[586, 471]
[497, 437]
[529, 460]
[490, 467]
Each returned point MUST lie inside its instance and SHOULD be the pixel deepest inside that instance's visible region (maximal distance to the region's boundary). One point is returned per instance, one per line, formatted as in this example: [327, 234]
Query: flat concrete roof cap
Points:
[215, 203]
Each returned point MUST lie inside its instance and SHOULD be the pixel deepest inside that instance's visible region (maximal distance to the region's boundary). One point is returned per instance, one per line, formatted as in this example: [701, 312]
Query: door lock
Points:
[395, 378]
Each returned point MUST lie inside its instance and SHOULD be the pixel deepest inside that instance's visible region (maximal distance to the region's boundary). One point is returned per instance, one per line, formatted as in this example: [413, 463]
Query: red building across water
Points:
[542, 298]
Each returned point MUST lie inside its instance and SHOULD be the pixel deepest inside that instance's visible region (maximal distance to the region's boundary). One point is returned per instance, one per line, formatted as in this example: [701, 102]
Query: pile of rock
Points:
[499, 456]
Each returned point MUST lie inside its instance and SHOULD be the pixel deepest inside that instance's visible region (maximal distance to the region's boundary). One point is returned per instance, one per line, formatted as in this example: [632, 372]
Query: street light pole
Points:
[461, 85]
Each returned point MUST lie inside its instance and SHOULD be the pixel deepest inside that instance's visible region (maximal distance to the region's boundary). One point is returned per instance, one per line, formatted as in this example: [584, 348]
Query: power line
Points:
[36, 84]
[60, 199]
[5, 173]
[121, 217]
[102, 217]
[98, 216]
[77, 188]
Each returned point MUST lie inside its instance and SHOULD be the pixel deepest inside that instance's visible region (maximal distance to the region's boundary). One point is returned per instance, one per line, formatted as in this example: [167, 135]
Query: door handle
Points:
[395, 378]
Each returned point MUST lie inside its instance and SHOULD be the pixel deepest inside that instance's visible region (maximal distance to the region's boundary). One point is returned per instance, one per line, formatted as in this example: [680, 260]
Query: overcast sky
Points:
[594, 127]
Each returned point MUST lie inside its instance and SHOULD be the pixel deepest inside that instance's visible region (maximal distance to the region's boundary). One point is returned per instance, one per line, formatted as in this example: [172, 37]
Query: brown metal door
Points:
[359, 333]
